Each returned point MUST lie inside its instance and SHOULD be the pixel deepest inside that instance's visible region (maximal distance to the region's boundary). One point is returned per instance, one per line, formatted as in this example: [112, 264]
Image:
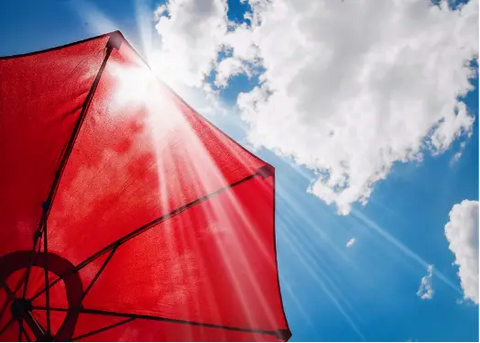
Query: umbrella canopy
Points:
[125, 215]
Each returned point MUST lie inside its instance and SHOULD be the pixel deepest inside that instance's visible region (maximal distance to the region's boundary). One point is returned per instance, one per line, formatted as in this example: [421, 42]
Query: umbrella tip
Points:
[266, 171]
[116, 39]
[283, 334]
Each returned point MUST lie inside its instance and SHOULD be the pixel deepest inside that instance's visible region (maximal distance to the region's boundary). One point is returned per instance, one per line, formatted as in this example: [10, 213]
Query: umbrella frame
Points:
[65, 271]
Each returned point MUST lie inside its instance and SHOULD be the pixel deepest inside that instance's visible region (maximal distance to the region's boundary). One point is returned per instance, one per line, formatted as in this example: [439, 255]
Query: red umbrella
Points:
[125, 215]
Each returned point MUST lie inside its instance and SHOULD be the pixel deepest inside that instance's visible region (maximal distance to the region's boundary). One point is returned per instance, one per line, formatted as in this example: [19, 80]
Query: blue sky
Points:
[330, 293]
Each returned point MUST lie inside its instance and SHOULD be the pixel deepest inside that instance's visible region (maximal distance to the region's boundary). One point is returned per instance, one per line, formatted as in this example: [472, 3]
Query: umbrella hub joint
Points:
[45, 338]
[22, 311]
[20, 308]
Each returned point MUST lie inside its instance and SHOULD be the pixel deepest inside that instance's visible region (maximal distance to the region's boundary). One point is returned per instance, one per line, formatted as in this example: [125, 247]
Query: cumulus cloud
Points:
[425, 292]
[462, 235]
[348, 88]
[355, 86]
[351, 242]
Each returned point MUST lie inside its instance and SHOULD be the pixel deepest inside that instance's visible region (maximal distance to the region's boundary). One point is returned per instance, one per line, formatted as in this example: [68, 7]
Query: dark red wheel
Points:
[22, 309]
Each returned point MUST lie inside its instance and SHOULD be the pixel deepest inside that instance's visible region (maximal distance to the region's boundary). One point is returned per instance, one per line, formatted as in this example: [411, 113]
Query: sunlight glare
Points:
[133, 84]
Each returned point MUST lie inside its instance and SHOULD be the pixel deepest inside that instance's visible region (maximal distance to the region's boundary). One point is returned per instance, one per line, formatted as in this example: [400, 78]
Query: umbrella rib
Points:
[45, 273]
[162, 319]
[146, 227]
[65, 157]
[102, 329]
[78, 125]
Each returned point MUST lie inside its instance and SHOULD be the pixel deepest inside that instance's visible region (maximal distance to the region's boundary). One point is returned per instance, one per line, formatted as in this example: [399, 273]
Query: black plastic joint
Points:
[115, 40]
[37, 234]
[45, 338]
[46, 205]
[283, 334]
[266, 171]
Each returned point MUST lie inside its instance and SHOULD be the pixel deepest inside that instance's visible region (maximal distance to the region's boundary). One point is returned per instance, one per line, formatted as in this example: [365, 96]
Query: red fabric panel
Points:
[41, 96]
[140, 154]
[214, 264]
[11, 333]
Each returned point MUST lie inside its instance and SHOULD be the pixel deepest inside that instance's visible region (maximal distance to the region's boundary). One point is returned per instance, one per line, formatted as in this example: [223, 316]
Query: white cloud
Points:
[349, 87]
[227, 68]
[240, 40]
[425, 292]
[351, 242]
[458, 154]
[462, 234]
[191, 32]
